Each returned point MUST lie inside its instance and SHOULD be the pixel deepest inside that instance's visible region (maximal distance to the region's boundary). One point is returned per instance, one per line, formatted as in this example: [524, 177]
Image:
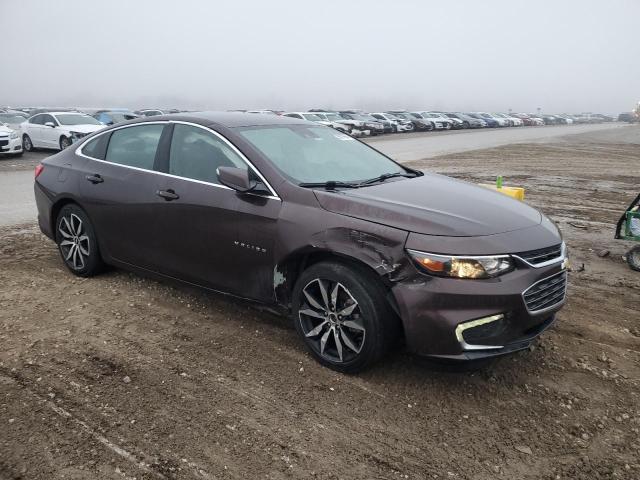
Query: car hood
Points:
[432, 205]
[88, 128]
[5, 130]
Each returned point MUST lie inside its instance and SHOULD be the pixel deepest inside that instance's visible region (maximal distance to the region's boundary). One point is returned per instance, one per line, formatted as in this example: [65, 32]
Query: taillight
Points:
[39, 169]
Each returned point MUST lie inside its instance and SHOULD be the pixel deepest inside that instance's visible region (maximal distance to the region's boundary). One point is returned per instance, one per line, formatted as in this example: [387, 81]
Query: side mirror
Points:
[236, 178]
[50, 124]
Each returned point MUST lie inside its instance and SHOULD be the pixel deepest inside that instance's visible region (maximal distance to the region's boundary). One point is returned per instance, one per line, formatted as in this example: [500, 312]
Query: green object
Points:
[628, 234]
[499, 181]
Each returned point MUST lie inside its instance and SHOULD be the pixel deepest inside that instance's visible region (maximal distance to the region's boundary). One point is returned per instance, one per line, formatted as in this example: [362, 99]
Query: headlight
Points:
[462, 266]
[13, 135]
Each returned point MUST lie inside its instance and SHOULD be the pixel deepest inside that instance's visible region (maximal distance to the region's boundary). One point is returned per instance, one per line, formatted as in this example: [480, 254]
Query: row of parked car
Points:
[359, 123]
[26, 128]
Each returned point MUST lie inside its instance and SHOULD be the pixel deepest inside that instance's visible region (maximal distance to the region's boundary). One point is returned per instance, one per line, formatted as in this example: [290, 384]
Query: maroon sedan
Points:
[356, 248]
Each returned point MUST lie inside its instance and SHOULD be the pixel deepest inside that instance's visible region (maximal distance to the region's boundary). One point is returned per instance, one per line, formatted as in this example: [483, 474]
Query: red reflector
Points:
[39, 169]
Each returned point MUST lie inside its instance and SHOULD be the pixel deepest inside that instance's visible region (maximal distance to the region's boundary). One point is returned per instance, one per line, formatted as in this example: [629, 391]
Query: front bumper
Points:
[10, 145]
[433, 309]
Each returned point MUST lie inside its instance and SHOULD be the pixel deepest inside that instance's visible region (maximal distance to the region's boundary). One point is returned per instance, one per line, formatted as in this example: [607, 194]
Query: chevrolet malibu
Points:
[357, 249]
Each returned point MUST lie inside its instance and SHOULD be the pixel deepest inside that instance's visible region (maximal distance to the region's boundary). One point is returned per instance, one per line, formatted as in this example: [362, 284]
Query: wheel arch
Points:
[58, 205]
[288, 270]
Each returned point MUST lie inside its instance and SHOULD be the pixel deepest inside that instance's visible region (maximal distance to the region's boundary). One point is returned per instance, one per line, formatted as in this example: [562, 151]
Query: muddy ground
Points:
[120, 377]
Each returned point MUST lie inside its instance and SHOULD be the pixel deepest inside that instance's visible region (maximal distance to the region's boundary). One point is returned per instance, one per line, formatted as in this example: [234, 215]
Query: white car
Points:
[57, 130]
[399, 124]
[10, 141]
[322, 120]
[439, 121]
[514, 121]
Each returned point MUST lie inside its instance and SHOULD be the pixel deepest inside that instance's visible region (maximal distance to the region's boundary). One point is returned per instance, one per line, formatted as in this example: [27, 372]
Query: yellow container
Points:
[515, 192]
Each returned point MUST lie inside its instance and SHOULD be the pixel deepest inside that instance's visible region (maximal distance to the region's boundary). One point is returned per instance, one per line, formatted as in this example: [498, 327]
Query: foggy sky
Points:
[561, 56]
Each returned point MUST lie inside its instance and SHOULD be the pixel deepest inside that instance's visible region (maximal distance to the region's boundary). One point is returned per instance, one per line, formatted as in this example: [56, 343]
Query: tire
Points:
[355, 340]
[77, 242]
[64, 142]
[466, 125]
[27, 144]
[633, 258]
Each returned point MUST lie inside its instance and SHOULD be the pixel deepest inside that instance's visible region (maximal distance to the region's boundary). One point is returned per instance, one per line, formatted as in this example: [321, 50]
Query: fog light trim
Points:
[476, 323]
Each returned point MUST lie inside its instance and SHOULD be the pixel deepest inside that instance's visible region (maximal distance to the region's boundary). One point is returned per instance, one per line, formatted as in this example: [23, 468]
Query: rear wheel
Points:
[27, 144]
[342, 316]
[77, 242]
[633, 258]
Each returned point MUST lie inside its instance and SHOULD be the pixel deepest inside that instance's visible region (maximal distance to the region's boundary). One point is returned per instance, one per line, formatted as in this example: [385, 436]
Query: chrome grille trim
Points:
[546, 294]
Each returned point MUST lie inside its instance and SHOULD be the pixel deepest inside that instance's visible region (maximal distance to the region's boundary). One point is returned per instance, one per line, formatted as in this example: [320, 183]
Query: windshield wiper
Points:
[386, 176]
[329, 185]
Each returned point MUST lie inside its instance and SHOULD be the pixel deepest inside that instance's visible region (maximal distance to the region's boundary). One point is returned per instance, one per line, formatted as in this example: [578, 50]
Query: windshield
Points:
[11, 118]
[311, 117]
[403, 116]
[334, 117]
[310, 154]
[76, 119]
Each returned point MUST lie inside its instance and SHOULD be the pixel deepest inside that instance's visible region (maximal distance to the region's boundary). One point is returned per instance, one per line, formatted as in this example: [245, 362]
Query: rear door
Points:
[120, 192]
[212, 235]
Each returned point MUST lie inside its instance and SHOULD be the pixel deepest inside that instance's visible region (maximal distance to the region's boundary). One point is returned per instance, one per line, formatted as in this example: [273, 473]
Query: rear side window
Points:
[135, 146]
[96, 148]
[196, 154]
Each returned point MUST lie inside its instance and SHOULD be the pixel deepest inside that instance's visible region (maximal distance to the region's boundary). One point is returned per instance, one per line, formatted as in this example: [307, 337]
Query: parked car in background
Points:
[366, 252]
[537, 120]
[467, 120]
[57, 130]
[398, 125]
[490, 122]
[490, 118]
[13, 120]
[355, 128]
[10, 134]
[511, 120]
[456, 123]
[440, 122]
[527, 121]
[150, 112]
[629, 117]
[367, 122]
[318, 118]
[419, 124]
[111, 117]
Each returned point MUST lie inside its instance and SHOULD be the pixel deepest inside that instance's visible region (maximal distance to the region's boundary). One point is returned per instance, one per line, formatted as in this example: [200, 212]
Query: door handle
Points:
[95, 178]
[168, 195]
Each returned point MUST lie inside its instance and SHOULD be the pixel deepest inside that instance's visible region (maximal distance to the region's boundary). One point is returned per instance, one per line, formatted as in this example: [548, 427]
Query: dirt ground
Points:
[120, 377]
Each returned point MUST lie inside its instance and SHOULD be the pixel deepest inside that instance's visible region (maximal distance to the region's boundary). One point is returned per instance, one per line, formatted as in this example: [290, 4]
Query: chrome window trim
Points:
[461, 327]
[550, 307]
[273, 196]
[561, 258]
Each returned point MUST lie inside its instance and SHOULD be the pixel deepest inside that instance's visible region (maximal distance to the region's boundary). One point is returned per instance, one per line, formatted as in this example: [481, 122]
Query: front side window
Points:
[135, 146]
[37, 120]
[309, 154]
[197, 153]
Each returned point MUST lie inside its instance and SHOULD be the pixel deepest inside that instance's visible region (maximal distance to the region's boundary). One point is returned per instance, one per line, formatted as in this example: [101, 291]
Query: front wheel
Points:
[27, 144]
[77, 242]
[342, 316]
[64, 142]
[633, 258]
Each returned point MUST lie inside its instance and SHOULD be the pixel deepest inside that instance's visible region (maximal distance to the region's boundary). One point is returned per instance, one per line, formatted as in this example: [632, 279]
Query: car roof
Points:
[60, 112]
[230, 119]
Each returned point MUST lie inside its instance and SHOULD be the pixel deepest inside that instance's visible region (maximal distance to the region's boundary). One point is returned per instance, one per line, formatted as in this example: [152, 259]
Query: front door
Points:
[212, 235]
